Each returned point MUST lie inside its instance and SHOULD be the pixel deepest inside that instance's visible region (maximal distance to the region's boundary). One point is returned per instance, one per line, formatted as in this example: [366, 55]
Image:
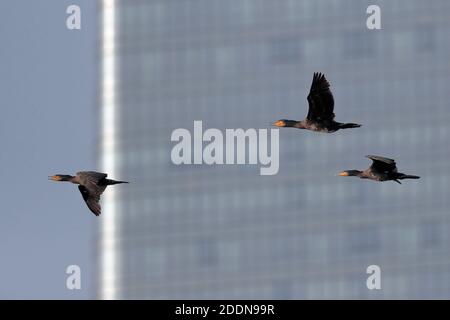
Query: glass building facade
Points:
[210, 232]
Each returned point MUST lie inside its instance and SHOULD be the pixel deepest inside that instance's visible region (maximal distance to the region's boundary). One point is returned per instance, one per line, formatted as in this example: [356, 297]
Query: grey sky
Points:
[47, 125]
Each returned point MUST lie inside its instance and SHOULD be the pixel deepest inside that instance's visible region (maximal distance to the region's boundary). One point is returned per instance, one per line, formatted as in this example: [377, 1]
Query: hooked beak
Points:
[343, 174]
[279, 123]
[54, 178]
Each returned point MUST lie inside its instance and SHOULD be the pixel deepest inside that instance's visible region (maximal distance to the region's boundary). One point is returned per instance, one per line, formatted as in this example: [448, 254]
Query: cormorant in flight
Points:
[382, 169]
[321, 110]
[91, 185]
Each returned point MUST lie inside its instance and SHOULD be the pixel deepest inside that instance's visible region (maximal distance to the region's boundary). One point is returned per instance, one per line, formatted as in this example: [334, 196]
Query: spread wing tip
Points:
[91, 203]
[379, 158]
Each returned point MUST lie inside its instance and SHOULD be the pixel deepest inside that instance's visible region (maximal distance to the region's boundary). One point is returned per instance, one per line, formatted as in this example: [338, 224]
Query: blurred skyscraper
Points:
[212, 232]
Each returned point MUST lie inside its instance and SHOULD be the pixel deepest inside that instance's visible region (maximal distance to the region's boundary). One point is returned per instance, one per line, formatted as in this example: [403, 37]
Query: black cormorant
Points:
[321, 106]
[91, 185]
[382, 169]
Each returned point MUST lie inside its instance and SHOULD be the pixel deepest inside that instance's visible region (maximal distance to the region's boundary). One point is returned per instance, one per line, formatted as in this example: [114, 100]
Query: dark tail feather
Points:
[110, 182]
[407, 176]
[349, 125]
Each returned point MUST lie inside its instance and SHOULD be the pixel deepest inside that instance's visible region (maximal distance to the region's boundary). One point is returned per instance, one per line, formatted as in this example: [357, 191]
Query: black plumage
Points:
[382, 169]
[91, 185]
[321, 110]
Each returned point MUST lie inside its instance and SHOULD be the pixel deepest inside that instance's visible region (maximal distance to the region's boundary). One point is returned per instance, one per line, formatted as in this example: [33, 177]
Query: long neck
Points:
[356, 173]
[294, 124]
[68, 178]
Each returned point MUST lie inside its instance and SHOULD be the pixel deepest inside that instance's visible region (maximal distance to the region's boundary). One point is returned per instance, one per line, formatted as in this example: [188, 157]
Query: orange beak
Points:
[279, 123]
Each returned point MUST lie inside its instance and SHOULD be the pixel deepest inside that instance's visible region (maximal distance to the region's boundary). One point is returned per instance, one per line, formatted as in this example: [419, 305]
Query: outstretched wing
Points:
[91, 176]
[320, 99]
[382, 164]
[92, 199]
[91, 188]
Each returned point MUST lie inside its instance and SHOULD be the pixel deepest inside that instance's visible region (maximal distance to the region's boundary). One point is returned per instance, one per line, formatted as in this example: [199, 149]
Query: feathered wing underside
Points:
[382, 164]
[92, 198]
[91, 190]
[320, 99]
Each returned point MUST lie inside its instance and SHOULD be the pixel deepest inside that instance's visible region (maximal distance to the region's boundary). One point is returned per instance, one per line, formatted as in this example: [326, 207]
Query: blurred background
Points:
[48, 124]
[109, 96]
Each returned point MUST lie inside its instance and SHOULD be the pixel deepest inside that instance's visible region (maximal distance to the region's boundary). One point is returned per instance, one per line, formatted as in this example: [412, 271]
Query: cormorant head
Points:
[284, 123]
[350, 173]
[60, 177]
